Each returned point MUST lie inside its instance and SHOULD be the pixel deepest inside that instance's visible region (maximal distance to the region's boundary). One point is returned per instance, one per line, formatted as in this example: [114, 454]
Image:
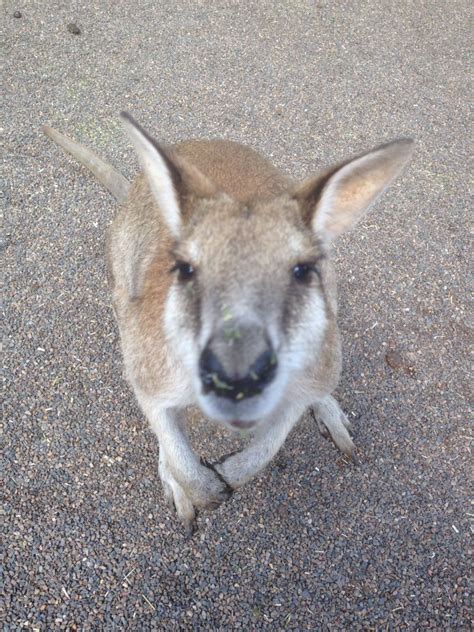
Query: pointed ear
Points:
[172, 180]
[163, 177]
[334, 202]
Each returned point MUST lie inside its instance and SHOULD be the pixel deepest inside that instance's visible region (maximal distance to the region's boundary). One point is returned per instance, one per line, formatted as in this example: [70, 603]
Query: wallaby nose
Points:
[215, 379]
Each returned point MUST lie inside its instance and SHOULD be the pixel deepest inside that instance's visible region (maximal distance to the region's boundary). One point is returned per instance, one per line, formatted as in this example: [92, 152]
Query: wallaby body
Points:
[225, 297]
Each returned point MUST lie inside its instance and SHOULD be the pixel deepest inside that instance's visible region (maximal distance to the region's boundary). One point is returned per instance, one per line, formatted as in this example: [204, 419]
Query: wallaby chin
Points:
[225, 296]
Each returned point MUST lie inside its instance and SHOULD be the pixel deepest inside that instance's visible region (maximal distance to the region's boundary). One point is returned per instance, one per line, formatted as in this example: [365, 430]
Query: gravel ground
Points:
[315, 543]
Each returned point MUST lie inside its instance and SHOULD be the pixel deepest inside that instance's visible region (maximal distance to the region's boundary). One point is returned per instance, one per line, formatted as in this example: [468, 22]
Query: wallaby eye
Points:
[302, 272]
[185, 270]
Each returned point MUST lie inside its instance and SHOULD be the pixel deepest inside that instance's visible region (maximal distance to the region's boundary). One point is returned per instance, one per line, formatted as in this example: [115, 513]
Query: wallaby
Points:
[225, 296]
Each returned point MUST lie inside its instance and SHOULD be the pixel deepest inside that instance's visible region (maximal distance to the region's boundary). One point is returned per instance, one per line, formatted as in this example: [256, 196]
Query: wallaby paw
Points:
[213, 490]
[206, 492]
[333, 424]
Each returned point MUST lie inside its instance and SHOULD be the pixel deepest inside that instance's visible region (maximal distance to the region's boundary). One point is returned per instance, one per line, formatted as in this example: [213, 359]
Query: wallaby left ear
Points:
[334, 202]
[172, 179]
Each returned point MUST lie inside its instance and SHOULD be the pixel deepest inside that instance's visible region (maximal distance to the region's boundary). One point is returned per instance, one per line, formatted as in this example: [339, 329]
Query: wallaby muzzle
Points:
[215, 380]
[237, 363]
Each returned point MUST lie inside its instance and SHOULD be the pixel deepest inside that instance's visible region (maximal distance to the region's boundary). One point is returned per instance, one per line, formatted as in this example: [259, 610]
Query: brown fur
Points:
[239, 171]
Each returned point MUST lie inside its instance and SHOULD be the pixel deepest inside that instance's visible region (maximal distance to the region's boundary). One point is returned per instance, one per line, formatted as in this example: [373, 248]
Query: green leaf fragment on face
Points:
[219, 383]
[226, 313]
[232, 334]
[239, 396]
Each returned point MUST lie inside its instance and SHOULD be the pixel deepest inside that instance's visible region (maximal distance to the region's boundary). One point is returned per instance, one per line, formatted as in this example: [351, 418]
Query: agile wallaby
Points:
[225, 296]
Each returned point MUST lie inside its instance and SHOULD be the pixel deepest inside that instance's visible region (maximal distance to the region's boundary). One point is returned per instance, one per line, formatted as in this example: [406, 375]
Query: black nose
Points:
[214, 378]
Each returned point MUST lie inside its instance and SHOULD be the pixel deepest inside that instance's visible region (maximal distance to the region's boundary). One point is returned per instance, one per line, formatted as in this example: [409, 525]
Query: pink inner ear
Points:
[351, 189]
[350, 201]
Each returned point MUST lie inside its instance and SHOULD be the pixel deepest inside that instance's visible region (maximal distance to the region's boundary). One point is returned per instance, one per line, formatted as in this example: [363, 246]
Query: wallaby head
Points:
[252, 292]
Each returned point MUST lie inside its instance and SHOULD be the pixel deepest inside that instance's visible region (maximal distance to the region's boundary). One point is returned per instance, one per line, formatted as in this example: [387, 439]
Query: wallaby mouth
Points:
[239, 402]
[242, 425]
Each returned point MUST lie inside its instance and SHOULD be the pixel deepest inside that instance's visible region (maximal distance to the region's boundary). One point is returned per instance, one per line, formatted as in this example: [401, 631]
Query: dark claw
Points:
[170, 504]
[324, 432]
[213, 506]
[190, 529]
[228, 488]
[225, 457]
[322, 428]
[355, 458]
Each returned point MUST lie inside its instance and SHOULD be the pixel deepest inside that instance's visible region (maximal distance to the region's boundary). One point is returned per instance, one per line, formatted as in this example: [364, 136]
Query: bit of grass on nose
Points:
[232, 334]
[219, 383]
[226, 313]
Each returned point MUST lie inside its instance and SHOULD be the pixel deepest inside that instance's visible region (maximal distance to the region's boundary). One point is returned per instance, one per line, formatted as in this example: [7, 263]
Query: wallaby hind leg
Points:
[332, 422]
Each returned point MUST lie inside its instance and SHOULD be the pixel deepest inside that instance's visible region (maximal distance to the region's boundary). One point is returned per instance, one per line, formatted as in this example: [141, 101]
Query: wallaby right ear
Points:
[173, 180]
[334, 202]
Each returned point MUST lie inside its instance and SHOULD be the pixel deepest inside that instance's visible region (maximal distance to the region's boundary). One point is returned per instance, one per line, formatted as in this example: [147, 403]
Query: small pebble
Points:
[396, 361]
[17, 14]
[73, 28]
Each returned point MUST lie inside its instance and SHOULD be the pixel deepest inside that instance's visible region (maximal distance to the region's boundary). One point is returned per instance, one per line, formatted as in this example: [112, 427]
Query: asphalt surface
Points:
[315, 543]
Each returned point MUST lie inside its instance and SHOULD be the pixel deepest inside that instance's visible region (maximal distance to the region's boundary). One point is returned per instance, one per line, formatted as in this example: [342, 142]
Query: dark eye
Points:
[302, 272]
[185, 270]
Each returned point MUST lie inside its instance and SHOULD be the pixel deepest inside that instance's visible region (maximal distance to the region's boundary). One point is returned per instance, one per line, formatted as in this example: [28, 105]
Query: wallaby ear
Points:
[162, 175]
[334, 202]
[172, 180]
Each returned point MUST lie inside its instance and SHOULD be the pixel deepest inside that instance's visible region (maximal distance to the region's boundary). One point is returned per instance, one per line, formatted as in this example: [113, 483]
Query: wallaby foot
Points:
[333, 423]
